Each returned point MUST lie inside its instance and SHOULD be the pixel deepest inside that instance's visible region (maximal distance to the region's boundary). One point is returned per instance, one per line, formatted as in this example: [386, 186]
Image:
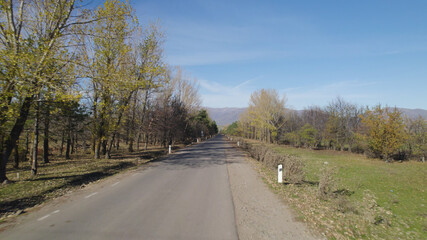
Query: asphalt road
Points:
[183, 196]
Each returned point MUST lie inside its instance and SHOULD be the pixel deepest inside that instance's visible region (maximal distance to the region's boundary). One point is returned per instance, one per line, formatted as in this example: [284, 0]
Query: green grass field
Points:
[399, 188]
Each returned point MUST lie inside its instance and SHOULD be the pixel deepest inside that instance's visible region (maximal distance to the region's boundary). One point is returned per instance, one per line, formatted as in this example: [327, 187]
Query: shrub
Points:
[253, 150]
[308, 135]
[386, 131]
[276, 159]
[373, 213]
[343, 204]
[291, 138]
[270, 158]
[293, 169]
[327, 183]
[360, 144]
[263, 151]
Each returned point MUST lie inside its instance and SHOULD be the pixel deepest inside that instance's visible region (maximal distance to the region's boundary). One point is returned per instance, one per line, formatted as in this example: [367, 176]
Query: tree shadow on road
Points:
[70, 181]
[208, 154]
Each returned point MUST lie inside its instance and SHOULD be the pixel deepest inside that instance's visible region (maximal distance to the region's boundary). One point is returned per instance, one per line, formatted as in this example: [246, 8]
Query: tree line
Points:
[378, 131]
[87, 79]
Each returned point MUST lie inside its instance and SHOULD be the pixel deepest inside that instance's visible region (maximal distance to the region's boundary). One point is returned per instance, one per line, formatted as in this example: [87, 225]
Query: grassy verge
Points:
[60, 176]
[372, 200]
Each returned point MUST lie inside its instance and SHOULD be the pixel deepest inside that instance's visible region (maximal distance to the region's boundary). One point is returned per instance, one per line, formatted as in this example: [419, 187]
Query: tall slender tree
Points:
[32, 38]
[266, 114]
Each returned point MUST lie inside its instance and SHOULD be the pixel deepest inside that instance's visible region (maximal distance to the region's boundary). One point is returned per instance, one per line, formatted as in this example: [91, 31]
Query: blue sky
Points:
[367, 52]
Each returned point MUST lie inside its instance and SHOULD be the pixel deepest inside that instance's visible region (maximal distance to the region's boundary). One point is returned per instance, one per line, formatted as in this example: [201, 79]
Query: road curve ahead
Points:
[183, 196]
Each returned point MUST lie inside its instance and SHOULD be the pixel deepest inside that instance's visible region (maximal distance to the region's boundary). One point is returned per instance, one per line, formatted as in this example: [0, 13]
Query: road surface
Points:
[186, 195]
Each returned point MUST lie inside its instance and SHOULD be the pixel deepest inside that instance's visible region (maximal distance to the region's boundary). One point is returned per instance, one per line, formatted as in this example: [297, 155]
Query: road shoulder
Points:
[259, 213]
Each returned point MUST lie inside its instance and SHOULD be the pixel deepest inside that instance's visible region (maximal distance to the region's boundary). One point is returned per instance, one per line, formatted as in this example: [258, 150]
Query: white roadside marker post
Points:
[280, 173]
[170, 149]
[238, 143]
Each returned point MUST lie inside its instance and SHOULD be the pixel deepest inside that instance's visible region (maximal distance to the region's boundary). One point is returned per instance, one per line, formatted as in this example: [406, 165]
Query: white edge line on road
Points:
[114, 184]
[92, 194]
[43, 218]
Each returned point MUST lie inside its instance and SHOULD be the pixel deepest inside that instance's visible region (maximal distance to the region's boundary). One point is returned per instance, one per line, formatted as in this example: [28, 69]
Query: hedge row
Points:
[293, 167]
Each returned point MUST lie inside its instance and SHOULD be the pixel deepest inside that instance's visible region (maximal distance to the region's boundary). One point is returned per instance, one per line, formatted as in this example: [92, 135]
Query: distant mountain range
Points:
[226, 116]
[414, 113]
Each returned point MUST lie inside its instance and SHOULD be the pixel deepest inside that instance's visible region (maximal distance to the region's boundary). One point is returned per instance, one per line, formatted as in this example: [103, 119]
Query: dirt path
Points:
[259, 213]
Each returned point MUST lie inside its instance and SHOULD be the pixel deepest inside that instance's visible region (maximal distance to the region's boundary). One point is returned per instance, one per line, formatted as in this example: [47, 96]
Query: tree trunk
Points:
[99, 131]
[36, 140]
[108, 147]
[130, 148]
[46, 150]
[93, 145]
[84, 146]
[61, 150]
[146, 142]
[67, 150]
[1, 143]
[72, 141]
[144, 110]
[68, 147]
[46, 135]
[97, 151]
[76, 144]
[10, 142]
[27, 145]
[132, 126]
[127, 135]
[16, 165]
[104, 147]
[137, 141]
[164, 139]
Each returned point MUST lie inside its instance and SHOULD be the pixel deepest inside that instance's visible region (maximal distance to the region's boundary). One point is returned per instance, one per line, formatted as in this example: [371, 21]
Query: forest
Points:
[379, 131]
[80, 79]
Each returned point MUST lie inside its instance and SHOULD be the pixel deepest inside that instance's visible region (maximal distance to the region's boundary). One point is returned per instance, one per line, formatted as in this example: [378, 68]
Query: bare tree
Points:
[344, 120]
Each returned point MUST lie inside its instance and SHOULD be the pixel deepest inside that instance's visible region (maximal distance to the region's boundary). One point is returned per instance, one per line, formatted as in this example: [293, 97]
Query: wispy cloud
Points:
[223, 40]
[360, 92]
[215, 57]
[200, 43]
[215, 94]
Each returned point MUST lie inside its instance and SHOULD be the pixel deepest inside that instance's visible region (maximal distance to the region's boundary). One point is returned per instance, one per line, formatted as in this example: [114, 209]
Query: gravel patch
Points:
[259, 213]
